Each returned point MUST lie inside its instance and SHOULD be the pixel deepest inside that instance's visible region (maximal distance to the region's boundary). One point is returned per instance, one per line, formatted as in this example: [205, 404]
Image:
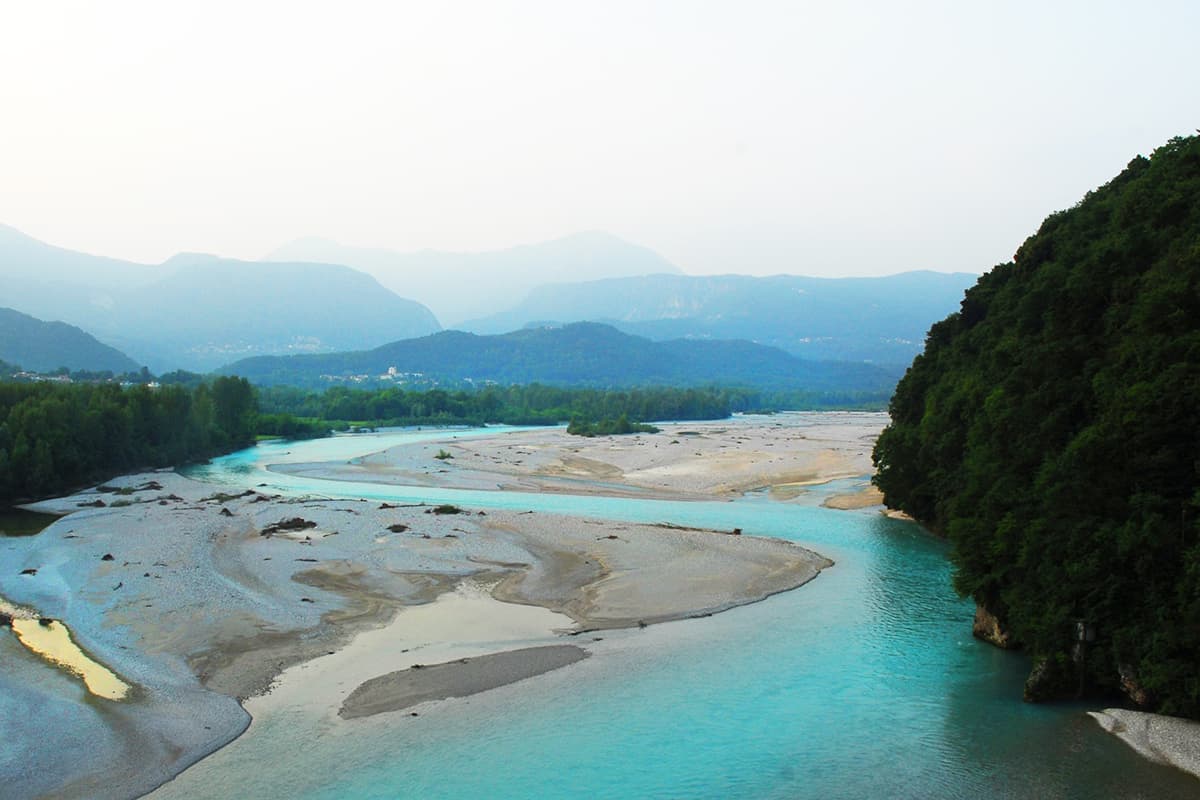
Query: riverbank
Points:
[1161, 739]
[689, 460]
[201, 599]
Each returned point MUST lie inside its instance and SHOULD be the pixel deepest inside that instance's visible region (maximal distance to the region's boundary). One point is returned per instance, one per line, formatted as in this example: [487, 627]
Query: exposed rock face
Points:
[1134, 690]
[989, 628]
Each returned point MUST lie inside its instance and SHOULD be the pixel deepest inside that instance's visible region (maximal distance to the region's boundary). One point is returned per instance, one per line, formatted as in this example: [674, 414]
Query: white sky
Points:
[827, 138]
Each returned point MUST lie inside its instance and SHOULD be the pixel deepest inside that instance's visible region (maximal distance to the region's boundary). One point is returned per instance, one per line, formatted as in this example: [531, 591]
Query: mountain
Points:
[581, 354]
[206, 311]
[52, 283]
[198, 311]
[459, 286]
[1049, 430]
[882, 320]
[46, 346]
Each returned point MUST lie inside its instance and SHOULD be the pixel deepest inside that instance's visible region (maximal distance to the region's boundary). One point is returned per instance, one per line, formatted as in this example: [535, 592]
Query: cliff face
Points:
[1049, 430]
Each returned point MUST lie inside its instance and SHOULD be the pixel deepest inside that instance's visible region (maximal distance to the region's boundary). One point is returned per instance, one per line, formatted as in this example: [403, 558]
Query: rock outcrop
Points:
[990, 629]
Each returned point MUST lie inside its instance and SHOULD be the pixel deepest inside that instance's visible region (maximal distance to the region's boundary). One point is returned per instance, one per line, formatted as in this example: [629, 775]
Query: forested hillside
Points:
[46, 346]
[582, 354]
[1051, 430]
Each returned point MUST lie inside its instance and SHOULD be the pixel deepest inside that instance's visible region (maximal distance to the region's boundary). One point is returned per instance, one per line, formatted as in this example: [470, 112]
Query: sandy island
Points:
[210, 605]
[693, 460]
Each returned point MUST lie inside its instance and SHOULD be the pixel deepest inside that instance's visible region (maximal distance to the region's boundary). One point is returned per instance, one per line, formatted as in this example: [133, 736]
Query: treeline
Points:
[538, 404]
[55, 437]
[58, 437]
[1050, 431]
[533, 404]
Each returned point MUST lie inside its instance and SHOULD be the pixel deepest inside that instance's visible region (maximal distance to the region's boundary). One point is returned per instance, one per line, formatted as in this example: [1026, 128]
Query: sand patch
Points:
[462, 678]
[866, 498]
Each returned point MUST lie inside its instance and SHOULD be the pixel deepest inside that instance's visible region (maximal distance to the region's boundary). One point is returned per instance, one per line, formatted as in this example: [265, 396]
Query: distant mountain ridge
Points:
[198, 311]
[581, 354]
[882, 320]
[45, 346]
[210, 312]
[459, 286]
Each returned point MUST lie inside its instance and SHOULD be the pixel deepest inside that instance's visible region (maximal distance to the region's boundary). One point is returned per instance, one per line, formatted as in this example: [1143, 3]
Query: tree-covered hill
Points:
[582, 354]
[1051, 430]
[46, 346]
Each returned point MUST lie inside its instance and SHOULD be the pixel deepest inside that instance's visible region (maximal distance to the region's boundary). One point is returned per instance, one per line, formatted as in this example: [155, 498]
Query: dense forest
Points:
[57, 437]
[1051, 431]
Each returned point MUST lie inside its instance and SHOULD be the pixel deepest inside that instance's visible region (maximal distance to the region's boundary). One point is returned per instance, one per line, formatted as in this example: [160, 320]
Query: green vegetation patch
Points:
[608, 427]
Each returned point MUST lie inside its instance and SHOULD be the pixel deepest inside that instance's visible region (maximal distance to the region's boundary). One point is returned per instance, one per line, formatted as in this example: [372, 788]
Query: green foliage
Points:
[442, 455]
[1049, 430]
[580, 354]
[531, 404]
[56, 437]
[608, 427]
[288, 426]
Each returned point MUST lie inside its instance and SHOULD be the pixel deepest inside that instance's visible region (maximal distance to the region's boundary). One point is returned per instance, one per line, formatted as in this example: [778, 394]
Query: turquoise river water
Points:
[864, 683]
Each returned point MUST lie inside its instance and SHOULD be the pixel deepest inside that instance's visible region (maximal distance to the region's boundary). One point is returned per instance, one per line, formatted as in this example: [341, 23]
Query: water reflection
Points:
[19, 522]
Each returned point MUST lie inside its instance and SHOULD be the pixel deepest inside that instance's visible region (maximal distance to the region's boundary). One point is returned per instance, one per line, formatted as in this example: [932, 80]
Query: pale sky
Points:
[828, 138]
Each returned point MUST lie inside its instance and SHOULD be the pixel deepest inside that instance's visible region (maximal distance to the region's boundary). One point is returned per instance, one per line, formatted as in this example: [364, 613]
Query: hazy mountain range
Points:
[45, 346]
[198, 312]
[883, 320]
[581, 354]
[461, 286]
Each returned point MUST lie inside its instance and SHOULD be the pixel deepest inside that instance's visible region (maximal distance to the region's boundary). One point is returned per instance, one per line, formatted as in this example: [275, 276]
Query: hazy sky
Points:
[813, 138]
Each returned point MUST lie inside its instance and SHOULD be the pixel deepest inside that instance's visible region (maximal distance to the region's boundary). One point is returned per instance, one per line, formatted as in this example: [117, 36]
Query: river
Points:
[864, 683]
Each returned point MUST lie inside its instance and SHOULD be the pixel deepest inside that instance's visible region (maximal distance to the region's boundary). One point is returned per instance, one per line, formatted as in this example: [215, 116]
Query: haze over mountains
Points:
[200, 312]
[881, 320]
[461, 286]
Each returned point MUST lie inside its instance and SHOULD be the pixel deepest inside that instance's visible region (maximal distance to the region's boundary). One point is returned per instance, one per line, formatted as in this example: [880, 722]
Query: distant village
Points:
[396, 377]
[62, 377]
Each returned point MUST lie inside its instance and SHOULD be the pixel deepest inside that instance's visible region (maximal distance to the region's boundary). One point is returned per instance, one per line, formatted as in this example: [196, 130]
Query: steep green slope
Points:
[583, 354]
[46, 346]
[1051, 430]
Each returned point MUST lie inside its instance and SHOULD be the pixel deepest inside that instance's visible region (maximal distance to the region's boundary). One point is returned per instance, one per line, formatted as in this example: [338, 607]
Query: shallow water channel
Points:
[864, 683]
